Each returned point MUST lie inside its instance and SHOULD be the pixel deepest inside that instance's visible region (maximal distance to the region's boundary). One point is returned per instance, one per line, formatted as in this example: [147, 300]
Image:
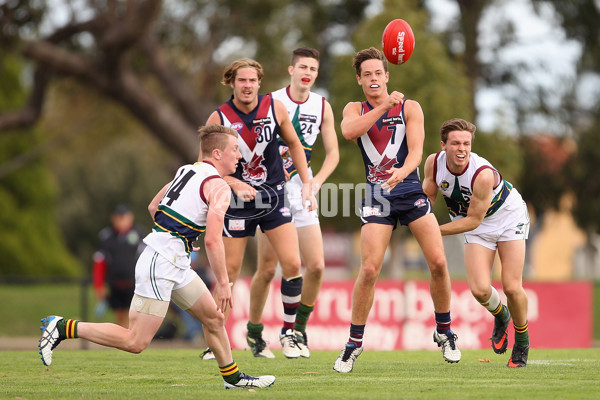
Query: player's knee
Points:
[267, 271]
[438, 266]
[369, 273]
[291, 267]
[214, 323]
[316, 269]
[480, 293]
[136, 345]
[512, 290]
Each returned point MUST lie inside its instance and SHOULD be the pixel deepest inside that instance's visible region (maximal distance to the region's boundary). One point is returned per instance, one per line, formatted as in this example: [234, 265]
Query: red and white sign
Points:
[402, 316]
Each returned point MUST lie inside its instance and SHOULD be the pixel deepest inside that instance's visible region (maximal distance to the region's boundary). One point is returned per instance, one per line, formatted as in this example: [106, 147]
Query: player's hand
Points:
[309, 197]
[394, 99]
[396, 178]
[222, 296]
[243, 190]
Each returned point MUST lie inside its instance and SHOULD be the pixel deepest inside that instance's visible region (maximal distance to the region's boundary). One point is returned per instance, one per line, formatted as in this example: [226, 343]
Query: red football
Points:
[398, 41]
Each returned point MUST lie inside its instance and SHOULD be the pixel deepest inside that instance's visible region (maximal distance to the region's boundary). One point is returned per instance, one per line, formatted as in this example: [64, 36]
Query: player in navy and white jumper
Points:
[390, 133]
[258, 185]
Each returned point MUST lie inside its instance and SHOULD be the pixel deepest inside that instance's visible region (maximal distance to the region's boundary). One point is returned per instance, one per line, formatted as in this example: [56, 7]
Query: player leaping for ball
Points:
[193, 203]
[390, 132]
[494, 218]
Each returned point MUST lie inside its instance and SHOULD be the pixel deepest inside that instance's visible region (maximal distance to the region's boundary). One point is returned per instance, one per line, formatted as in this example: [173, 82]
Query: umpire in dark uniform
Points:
[113, 271]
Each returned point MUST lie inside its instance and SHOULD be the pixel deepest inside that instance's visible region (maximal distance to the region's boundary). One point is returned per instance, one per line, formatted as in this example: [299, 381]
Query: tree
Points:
[153, 68]
[30, 242]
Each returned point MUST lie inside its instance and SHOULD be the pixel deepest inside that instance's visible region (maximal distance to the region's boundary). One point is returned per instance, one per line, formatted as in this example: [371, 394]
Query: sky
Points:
[541, 45]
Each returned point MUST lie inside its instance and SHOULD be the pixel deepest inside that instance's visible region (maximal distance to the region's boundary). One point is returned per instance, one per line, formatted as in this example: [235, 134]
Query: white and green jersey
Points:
[306, 118]
[457, 190]
[181, 215]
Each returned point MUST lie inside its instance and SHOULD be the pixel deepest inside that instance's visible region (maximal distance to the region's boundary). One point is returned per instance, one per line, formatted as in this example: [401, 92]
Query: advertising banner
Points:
[402, 316]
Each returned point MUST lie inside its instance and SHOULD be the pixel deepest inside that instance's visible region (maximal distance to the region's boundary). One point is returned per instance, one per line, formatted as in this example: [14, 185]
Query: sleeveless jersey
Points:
[261, 164]
[458, 189]
[306, 118]
[181, 215]
[383, 147]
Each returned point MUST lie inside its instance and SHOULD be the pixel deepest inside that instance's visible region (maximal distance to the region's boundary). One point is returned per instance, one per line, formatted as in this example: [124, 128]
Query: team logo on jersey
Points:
[420, 203]
[378, 174]
[237, 126]
[255, 172]
[444, 185]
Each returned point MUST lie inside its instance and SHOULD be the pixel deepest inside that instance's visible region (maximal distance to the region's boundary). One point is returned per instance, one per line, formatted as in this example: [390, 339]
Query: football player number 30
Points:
[264, 134]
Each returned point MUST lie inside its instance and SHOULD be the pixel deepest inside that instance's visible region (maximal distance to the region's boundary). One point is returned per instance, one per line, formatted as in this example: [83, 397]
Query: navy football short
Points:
[241, 221]
[389, 210]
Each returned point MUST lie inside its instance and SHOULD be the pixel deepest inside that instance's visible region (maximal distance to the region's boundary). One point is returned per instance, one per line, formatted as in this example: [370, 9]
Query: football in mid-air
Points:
[398, 41]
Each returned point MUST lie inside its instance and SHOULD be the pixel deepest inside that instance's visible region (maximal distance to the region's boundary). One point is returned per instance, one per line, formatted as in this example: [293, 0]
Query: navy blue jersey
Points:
[261, 165]
[383, 147]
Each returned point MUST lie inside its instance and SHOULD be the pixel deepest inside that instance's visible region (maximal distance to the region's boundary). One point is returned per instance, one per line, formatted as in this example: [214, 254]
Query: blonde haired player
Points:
[194, 203]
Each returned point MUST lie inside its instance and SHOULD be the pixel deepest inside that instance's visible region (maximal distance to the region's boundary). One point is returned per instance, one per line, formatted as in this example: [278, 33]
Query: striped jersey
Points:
[261, 164]
[181, 215]
[458, 189]
[306, 118]
[384, 146]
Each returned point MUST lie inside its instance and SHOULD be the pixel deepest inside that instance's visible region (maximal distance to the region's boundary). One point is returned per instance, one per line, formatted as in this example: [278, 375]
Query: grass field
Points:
[181, 374]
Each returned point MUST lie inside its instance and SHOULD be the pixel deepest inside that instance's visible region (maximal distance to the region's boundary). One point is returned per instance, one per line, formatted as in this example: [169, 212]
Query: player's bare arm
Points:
[415, 136]
[480, 202]
[153, 206]
[429, 186]
[242, 190]
[218, 195]
[288, 133]
[354, 124]
[330, 143]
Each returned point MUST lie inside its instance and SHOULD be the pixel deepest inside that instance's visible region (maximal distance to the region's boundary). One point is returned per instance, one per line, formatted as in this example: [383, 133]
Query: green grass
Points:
[180, 374]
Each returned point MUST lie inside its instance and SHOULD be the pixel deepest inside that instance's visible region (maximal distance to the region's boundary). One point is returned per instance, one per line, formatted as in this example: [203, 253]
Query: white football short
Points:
[515, 226]
[293, 193]
[156, 278]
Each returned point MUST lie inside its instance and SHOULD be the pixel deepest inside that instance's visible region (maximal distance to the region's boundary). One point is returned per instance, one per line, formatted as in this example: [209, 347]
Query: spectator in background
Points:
[113, 271]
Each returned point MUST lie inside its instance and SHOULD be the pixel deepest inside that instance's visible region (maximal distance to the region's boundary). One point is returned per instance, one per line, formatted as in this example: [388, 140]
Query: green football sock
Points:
[522, 334]
[302, 316]
[255, 330]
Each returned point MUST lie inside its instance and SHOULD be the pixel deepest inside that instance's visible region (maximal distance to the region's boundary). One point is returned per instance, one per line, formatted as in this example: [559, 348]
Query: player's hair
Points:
[368, 54]
[308, 52]
[231, 71]
[456, 124]
[214, 136]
